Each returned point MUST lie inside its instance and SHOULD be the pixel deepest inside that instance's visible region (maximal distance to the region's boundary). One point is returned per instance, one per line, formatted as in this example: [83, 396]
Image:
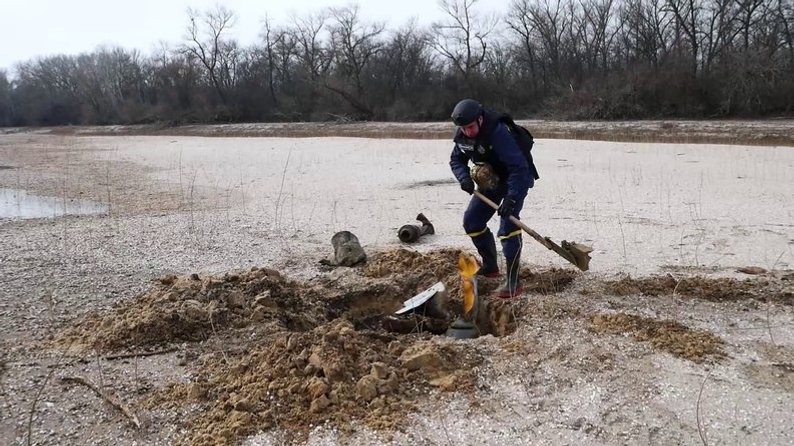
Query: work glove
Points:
[467, 185]
[506, 208]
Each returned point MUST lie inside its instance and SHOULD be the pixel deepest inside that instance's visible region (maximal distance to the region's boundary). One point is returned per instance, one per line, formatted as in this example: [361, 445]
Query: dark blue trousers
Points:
[477, 214]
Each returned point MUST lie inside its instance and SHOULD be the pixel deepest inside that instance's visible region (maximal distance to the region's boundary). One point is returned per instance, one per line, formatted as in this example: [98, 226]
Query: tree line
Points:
[567, 59]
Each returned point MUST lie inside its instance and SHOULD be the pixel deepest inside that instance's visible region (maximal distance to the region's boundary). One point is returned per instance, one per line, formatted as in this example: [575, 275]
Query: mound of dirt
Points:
[332, 374]
[698, 287]
[411, 267]
[294, 355]
[669, 336]
[192, 308]
[402, 264]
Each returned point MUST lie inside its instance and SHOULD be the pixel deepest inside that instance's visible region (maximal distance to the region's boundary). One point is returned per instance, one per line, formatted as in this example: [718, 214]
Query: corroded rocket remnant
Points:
[347, 249]
[411, 233]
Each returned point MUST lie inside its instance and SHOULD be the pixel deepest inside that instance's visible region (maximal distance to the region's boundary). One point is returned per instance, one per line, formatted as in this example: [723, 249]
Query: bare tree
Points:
[406, 63]
[108, 81]
[785, 15]
[6, 108]
[229, 60]
[206, 43]
[47, 92]
[646, 31]
[272, 38]
[285, 55]
[462, 37]
[687, 15]
[573, 58]
[173, 81]
[355, 45]
[518, 19]
[748, 16]
[719, 30]
[315, 58]
[503, 79]
[599, 30]
[548, 21]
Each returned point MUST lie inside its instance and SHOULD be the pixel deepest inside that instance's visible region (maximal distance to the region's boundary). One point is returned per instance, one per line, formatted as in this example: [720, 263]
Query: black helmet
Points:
[466, 112]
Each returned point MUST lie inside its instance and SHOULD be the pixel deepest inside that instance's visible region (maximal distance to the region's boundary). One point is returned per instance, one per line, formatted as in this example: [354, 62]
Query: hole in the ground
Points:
[498, 317]
[262, 301]
[374, 309]
[338, 350]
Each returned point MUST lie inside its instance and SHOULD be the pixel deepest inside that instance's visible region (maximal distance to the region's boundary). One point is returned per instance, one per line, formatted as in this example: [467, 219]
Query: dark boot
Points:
[511, 286]
[486, 246]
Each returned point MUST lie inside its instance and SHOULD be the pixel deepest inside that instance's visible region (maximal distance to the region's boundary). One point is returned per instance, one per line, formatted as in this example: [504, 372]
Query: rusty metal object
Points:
[347, 249]
[463, 329]
[411, 233]
[413, 323]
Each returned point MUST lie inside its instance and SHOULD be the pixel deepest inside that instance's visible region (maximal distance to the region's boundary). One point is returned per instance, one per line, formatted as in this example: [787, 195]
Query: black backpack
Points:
[524, 140]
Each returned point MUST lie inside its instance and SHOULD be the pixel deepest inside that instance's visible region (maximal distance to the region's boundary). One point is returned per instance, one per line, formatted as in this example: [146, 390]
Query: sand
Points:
[691, 351]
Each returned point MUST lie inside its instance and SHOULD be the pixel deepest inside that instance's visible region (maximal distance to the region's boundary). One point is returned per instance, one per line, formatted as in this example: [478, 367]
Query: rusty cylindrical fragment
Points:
[411, 233]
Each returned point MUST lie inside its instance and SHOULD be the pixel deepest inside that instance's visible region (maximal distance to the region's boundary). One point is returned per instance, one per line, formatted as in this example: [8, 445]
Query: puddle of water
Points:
[19, 204]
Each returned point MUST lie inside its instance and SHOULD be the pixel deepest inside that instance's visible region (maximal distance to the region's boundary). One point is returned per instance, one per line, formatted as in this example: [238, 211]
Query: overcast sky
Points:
[33, 28]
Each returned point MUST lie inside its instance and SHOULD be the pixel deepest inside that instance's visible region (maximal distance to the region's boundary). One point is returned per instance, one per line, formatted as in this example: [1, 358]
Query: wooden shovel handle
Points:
[577, 254]
[543, 241]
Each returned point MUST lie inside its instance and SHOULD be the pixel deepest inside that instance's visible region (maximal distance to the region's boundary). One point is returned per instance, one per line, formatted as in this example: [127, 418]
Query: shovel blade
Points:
[576, 253]
[420, 299]
[580, 254]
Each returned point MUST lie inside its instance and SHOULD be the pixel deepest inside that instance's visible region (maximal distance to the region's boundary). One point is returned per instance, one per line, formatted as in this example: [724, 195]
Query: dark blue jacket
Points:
[496, 146]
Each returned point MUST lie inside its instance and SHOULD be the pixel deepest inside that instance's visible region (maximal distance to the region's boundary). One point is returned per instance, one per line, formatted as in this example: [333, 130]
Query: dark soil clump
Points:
[711, 289]
[669, 336]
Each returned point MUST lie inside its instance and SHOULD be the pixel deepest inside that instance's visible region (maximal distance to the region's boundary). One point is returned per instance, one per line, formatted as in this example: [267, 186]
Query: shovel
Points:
[576, 253]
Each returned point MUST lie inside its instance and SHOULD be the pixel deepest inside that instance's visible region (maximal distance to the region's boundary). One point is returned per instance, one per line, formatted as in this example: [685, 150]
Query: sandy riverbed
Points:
[180, 205]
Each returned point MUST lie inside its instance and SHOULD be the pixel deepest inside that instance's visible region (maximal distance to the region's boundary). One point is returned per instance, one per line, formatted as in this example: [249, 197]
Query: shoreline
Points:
[763, 132]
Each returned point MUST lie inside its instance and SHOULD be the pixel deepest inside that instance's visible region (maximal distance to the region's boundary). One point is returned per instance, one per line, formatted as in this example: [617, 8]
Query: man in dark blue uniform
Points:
[483, 139]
